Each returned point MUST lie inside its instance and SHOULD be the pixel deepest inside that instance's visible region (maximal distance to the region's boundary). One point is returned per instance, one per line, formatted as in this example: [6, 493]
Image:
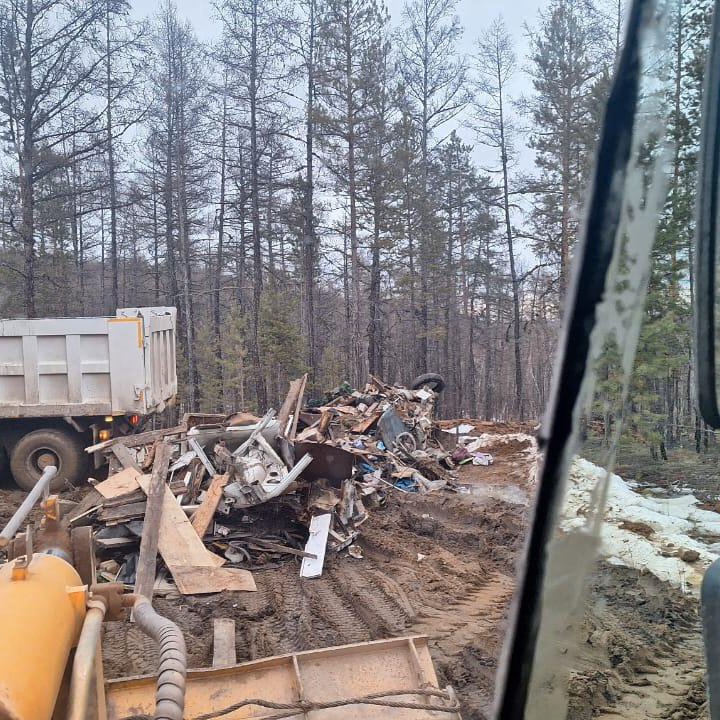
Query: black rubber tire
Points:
[67, 447]
[433, 380]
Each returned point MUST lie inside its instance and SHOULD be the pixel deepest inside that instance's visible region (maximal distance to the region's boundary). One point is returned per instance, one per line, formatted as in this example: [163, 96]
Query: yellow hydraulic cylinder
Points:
[42, 607]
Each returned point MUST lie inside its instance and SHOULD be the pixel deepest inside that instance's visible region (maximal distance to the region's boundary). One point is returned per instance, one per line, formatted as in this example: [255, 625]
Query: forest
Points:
[326, 189]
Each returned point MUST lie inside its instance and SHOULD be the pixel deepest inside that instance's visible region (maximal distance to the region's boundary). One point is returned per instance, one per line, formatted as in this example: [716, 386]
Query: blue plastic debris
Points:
[407, 484]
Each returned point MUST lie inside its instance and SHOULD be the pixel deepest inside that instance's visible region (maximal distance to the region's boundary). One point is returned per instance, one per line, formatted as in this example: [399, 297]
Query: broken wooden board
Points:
[260, 544]
[204, 514]
[79, 514]
[144, 438]
[125, 457]
[147, 562]
[291, 407]
[122, 513]
[316, 544]
[116, 543]
[178, 542]
[223, 642]
[364, 425]
[121, 483]
[204, 580]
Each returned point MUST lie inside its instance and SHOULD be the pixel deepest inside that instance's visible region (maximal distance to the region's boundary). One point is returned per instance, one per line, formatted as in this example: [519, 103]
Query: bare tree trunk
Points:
[260, 387]
[27, 168]
[358, 366]
[217, 315]
[310, 237]
[375, 363]
[112, 186]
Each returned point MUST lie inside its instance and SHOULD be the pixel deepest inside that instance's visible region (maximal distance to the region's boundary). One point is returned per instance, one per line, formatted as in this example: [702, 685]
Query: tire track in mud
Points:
[643, 654]
[478, 615]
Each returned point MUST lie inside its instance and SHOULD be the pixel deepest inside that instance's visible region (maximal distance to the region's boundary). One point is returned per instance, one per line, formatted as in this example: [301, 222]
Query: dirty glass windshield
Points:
[620, 636]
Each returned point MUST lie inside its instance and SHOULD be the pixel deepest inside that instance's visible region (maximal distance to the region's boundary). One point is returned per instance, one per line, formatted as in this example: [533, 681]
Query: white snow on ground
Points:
[672, 520]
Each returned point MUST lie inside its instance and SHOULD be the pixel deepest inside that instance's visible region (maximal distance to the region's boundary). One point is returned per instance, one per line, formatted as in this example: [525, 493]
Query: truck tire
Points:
[40, 448]
[433, 380]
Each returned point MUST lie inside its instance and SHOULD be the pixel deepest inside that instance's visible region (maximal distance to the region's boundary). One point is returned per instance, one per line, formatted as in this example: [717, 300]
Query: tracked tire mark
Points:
[339, 617]
[672, 693]
[380, 611]
[478, 617]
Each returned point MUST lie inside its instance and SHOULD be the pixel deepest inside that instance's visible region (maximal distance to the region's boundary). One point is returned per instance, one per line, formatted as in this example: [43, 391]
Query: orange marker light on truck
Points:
[134, 419]
[104, 435]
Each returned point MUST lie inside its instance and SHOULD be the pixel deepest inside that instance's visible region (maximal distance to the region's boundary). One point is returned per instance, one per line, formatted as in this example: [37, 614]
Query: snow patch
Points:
[672, 520]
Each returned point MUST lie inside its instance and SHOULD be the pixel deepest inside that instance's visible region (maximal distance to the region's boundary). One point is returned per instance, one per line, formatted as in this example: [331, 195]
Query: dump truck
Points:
[66, 383]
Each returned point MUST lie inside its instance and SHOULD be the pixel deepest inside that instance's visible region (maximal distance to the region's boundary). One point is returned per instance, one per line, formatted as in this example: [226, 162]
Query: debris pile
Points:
[220, 496]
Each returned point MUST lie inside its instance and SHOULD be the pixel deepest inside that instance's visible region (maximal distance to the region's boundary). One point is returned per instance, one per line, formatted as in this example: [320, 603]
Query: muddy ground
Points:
[443, 565]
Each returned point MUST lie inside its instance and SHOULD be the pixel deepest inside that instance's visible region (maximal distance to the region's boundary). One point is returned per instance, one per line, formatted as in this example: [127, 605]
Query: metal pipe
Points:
[170, 693]
[83, 669]
[29, 503]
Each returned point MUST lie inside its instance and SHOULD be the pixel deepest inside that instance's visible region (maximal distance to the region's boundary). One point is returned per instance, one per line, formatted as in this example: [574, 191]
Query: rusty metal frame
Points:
[319, 675]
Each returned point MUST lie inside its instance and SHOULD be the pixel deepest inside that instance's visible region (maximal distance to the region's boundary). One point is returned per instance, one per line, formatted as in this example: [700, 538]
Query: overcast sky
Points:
[475, 16]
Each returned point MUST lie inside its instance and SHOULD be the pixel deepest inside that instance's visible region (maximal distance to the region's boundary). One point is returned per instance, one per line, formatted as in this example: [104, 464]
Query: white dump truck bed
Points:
[88, 366]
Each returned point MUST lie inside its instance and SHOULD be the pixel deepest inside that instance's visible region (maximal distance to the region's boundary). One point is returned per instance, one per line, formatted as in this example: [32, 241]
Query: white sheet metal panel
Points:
[316, 545]
[88, 366]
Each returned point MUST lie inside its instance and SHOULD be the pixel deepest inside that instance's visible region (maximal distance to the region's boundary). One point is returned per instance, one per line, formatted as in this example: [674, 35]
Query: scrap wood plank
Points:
[223, 642]
[125, 457]
[115, 543]
[150, 456]
[364, 425]
[145, 576]
[121, 483]
[298, 408]
[261, 544]
[204, 514]
[121, 513]
[138, 439]
[204, 580]
[91, 502]
[316, 545]
[288, 407]
[178, 542]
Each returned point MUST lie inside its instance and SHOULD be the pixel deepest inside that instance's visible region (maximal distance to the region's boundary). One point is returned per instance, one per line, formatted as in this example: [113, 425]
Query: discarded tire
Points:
[434, 381]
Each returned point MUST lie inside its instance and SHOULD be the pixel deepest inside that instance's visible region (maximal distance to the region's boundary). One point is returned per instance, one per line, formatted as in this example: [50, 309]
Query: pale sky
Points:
[475, 16]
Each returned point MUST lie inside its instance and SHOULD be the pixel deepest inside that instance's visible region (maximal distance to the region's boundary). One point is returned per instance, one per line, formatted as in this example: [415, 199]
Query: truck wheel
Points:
[40, 448]
[434, 381]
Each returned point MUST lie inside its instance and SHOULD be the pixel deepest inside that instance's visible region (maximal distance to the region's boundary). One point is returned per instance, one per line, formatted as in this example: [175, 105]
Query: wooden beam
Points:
[224, 642]
[288, 407]
[121, 483]
[298, 408]
[144, 438]
[125, 457]
[145, 577]
[178, 542]
[204, 514]
[204, 580]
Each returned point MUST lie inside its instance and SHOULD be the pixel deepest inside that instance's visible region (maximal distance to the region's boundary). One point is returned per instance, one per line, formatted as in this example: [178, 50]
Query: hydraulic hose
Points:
[170, 693]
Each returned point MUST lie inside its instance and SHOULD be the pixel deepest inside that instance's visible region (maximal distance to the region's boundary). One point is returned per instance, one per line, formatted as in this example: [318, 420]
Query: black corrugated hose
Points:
[170, 693]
